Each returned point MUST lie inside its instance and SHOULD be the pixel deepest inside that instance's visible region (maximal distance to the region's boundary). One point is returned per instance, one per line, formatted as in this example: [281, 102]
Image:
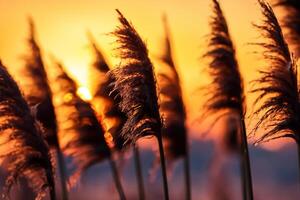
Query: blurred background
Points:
[61, 31]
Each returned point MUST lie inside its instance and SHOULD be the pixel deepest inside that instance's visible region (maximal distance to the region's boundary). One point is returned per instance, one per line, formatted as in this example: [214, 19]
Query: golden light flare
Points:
[84, 93]
[109, 139]
[102, 105]
[68, 97]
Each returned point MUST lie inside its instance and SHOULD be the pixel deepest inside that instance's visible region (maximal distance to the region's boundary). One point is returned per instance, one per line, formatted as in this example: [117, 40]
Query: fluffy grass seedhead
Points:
[80, 134]
[36, 89]
[23, 151]
[278, 88]
[134, 83]
[100, 61]
[226, 91]
[167, 54]
[291, 21]
[225, 94]
[171, 105]
[106, 106]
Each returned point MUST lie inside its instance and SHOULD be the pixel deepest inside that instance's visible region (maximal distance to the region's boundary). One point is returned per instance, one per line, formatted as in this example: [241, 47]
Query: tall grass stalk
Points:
[226, 93]
[117, 179]
[63, 175]
[139, 172]
[101, 88]
[37, 93]
[23, 151]
[174, 132]
[163, 166]
[81, 136]
[134, 83]
[246, 168]
[277, 103]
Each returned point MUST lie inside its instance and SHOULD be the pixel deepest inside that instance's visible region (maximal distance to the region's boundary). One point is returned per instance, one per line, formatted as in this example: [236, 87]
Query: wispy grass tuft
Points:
[278, 90]
[225, 94]
[278, 93]
[100, 62]
[134, 83]
[23, 151]
[106, 106]
[172, 108]
[80, 134]
[291, 21]
[38, 94]
[226, 90]
[36, 88]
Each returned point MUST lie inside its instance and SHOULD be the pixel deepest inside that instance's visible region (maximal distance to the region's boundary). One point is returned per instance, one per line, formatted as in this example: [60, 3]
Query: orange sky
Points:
[62, 25]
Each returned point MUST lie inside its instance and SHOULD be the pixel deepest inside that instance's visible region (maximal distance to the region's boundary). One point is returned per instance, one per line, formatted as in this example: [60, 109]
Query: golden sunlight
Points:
[143, 85]
[84, 93]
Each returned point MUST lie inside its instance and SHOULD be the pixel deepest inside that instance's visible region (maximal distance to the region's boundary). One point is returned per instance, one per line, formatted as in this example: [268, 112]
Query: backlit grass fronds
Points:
[291, 21]
[278, 88]
[225, 95]
[98, 69]
[100, 61]
[226, 90]
[134, 83]
[167, 54]
[23, 151]
[34, 83]
[171, 105]
[105, 106]
[79, 132]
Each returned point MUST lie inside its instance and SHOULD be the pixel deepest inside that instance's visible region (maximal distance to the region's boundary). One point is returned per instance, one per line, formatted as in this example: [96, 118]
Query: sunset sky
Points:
[62, 26]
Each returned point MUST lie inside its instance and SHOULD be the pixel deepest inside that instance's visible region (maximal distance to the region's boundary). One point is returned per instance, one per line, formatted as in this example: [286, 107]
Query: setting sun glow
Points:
[67, 22]
[84, 93]
[136, 99]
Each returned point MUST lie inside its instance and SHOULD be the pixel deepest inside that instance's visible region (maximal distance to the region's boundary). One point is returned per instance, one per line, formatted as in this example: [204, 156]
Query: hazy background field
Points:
[274, 177]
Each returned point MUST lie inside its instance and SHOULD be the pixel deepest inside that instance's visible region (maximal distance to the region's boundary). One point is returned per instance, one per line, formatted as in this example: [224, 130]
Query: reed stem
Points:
[242, 174]
[163, 167]
[139, 174]
[116, 178]
[63, 177]
[51, 181]
[187, 176]
[52, 194]
[246, 162]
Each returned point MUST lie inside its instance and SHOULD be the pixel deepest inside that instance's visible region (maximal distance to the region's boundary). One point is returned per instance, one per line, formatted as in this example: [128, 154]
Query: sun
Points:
[84, 93]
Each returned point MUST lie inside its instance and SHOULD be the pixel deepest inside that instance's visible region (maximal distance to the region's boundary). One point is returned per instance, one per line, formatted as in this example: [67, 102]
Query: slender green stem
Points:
[163, 167]
[187, 176]
[116, 178]
[139, 174]
[63, 177]
[246, 161]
